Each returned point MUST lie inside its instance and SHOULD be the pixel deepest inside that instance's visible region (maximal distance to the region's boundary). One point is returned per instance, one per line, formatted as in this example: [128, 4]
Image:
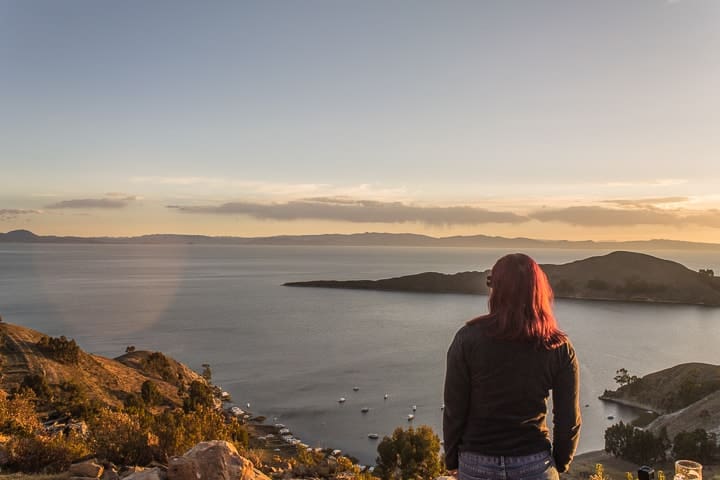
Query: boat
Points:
[365, 409]
[410, 417]
[341, 400]
[386, 396]
[610, 417]
[414, 408]
[442, 407]
[374, 436]
[355, 389]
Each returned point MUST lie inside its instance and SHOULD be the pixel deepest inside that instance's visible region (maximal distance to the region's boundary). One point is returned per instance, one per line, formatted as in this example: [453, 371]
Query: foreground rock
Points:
[214, 460]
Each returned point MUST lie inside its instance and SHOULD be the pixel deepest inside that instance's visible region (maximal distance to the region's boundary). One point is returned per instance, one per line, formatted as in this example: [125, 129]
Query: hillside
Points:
[618, 276]
[102, 379]
[687, 396]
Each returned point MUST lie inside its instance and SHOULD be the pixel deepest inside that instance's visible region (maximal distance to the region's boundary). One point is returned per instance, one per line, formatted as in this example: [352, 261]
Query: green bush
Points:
[60, 349]
[150, 393]
[412, 454]
[46, 453]
[698, 445]
[158, 364]
[636, 445]
[200, 394]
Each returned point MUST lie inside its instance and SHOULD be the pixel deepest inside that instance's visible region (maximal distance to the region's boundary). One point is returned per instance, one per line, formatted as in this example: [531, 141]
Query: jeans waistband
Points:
[472, 458]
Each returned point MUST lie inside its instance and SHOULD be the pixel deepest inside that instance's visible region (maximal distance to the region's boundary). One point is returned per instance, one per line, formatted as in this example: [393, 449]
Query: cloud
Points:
[658, 182]
[596, 216]
[13, 213]
[639, 202]
[277, 190]
[109, 203]
[357, 211]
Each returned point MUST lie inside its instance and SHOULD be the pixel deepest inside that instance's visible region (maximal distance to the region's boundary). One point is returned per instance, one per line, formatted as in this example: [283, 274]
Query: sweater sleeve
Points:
[566, 409]
[457, 400]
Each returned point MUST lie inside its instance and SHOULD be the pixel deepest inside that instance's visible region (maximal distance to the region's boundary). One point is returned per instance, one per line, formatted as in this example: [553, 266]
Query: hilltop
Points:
[368, 239]
[617, 276]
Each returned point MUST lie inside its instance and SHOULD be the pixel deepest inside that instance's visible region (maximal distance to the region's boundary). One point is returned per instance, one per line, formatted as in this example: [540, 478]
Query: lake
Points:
[292, 352]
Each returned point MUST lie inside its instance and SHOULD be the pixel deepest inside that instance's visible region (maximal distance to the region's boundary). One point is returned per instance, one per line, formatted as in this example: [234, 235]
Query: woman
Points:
[500, 370]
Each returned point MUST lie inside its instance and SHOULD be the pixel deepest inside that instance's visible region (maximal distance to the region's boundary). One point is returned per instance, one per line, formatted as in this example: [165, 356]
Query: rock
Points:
[129, 471]
[182, 468]
[148, 474]
[88, 469]
[110, 473]
[214, 460]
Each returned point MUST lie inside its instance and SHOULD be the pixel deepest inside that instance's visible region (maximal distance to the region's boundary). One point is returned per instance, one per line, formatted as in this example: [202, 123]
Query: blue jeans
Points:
[537, 466]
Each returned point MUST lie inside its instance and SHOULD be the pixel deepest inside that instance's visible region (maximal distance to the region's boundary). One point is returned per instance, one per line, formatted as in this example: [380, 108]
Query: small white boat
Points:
[374, 436]
[386, 396]
[442, 407]
[355, 389]
[414, 408]
[410, 417]
[341, 400]
[365, 409]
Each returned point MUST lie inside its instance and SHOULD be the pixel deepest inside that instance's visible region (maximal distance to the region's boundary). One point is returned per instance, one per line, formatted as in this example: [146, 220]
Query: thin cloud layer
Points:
[13, 213]
[357, 211]
[639, 202]
[102, 203]
[594, 216]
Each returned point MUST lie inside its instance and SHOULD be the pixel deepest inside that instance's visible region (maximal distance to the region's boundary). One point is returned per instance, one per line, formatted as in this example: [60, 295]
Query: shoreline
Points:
[630, 403]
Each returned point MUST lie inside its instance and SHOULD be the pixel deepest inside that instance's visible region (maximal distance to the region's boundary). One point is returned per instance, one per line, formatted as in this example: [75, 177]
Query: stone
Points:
[213, 460]
[147, 474]
[88, 469]
[182, 468]
[110, 473]
[125, 471]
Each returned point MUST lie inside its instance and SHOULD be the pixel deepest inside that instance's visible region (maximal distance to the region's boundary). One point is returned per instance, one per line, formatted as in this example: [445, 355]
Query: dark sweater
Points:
[496, 395]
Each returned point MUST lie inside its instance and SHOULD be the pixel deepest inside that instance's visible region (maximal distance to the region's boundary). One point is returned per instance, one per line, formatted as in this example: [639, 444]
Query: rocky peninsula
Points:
[618, 276]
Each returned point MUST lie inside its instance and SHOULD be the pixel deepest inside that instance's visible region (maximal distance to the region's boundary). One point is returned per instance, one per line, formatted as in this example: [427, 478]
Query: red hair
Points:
[521, 303]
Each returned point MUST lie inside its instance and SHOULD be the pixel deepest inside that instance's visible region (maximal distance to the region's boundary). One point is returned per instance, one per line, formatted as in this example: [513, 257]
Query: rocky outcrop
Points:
[214, 460]
[86, 470]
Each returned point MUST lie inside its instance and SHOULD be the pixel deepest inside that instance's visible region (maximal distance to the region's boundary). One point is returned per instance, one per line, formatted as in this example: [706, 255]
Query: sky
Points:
[545, 119]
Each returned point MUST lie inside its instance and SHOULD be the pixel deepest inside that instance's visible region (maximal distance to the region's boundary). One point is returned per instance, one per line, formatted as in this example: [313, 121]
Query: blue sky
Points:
[552, 119]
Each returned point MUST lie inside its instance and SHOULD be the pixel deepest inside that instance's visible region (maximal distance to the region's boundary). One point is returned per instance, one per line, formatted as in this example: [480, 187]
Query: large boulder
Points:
[88, 469]
[214, 460]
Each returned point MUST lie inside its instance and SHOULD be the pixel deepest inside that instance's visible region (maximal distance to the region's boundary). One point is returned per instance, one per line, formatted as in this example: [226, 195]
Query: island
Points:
[617, 276]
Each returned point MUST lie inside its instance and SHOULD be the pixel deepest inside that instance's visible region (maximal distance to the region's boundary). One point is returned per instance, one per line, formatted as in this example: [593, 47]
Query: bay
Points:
[292, 352]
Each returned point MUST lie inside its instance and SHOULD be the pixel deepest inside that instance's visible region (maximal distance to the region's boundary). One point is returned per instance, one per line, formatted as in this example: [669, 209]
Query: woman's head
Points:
[521, 303]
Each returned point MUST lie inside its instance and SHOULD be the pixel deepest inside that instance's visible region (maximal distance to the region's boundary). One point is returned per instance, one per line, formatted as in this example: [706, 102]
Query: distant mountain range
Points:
[364, 239]
[618, 276]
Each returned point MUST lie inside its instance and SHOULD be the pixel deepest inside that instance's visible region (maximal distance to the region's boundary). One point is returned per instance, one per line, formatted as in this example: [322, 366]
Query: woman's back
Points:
[509, 383]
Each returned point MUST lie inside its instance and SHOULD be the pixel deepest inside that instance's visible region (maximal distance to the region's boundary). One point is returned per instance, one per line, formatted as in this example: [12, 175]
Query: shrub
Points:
[47, 453]
[60, 349]
[200, 394]
[150, 393]
[158, 364]
[17, 414]
[414, 454]
[698, 445]
[636, 445]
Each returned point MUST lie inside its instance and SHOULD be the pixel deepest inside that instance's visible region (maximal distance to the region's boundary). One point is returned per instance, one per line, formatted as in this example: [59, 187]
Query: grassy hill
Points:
[687, 396]
[25, 352]
[618, 276]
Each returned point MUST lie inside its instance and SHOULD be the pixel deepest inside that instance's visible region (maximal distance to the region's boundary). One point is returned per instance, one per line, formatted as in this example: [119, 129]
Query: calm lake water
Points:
[292, 352]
